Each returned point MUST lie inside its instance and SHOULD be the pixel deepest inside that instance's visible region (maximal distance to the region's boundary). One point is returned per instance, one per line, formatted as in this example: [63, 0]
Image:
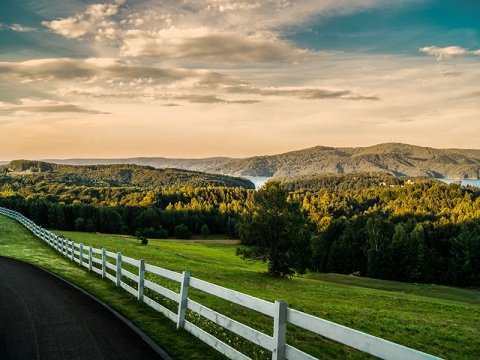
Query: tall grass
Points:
[434, 319]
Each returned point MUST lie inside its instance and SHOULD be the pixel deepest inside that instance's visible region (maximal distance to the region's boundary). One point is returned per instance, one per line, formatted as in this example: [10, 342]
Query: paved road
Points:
[43, 317]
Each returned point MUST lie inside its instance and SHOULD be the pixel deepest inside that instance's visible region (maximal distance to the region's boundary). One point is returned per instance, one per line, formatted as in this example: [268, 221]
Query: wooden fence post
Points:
[279, 330]
[141, 279]
[80, 255]
[182, 305]
[73, 250]
[104, 263]
[90, 255]
[119, 268]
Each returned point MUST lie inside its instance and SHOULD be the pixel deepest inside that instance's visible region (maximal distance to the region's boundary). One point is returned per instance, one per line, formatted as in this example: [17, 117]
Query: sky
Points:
[236, 78]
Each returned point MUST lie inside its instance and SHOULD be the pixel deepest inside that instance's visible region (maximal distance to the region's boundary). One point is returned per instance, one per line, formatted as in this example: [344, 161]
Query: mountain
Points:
[393, 158]
[117, 175]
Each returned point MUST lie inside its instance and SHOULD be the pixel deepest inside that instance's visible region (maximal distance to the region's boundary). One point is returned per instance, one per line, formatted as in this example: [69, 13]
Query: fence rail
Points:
[109, 266]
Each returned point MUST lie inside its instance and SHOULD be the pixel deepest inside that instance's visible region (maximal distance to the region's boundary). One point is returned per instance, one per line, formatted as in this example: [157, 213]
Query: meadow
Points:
[439, 320]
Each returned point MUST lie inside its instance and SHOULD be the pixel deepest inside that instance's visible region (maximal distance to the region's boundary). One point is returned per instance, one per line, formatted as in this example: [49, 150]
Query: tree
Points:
[464, 261]
[379, 233]
[182, 232]
[110, 220]
[205, 231]
[276, 232]
[79, 224]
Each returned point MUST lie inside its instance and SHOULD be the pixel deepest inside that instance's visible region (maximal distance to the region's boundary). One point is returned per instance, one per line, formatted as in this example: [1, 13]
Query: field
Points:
[438, 320]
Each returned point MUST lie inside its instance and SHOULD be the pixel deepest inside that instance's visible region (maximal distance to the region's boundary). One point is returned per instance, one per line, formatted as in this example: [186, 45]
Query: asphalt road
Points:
[44, 317]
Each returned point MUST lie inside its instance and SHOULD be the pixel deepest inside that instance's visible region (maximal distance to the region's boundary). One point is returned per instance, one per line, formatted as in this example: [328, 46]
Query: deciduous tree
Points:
[276, 232]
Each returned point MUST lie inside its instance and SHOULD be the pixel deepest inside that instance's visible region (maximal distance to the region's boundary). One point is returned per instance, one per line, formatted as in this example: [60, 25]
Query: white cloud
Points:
[106, 78]
[16, 27]
[93, 21]
[229, 31]
[204, 44]
[448, 52]
[243, 15]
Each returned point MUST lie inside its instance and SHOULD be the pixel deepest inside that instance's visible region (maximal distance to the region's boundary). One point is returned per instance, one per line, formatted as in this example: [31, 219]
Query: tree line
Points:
[369, 224]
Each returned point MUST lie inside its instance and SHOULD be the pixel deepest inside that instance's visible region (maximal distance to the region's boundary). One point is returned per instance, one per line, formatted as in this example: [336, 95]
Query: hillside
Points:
[349, 182]
[118, 175]
[393, 158]
[156, 162]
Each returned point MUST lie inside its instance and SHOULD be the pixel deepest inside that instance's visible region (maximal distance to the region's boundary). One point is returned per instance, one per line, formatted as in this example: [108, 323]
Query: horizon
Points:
[200, 79]
[220, 156]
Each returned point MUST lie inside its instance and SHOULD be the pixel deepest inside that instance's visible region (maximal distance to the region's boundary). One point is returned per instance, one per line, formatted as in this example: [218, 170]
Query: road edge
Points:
[127, 322]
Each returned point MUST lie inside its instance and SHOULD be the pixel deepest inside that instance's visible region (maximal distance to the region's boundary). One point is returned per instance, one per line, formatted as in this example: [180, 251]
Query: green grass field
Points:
[438, 320]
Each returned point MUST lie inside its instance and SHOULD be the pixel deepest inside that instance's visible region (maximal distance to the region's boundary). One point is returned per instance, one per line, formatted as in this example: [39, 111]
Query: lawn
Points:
[438, 320]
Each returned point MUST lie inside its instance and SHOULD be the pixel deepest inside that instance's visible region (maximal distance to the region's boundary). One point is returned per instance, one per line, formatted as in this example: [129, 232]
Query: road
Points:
[44, 317]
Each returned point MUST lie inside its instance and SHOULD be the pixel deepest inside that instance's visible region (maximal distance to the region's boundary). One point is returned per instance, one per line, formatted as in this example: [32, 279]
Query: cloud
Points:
[16, 27]
[228, 31]
[303, 93]
[93, 21]
[97, 69]
[244, 15]
[451, 73]
[98, 78]
[39, 107]
[448, 52]
[204, 44]
[47, 69]
[212, 99]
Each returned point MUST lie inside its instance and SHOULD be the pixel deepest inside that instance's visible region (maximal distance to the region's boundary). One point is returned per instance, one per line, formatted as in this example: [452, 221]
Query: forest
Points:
[366, 224]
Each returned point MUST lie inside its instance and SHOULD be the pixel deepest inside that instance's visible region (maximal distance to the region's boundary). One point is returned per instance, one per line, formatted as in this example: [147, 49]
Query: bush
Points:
[205, 231]
[182, 232]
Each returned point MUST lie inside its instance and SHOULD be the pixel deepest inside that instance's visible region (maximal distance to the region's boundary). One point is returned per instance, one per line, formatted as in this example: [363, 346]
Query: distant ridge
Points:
[393, 158]
[118, 175]
[156, 162]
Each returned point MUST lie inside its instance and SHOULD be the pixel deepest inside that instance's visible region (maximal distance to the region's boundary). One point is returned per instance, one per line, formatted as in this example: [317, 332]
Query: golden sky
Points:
[235, 78]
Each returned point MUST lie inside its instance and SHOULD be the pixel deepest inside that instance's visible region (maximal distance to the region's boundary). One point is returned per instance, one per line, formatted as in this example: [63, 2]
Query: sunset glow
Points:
[235, 78]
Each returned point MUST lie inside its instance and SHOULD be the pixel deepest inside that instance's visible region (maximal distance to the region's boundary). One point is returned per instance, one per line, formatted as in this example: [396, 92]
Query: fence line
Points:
[109, 266]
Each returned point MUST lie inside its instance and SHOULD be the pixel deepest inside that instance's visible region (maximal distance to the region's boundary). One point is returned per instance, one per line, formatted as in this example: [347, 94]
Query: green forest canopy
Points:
[372, 224]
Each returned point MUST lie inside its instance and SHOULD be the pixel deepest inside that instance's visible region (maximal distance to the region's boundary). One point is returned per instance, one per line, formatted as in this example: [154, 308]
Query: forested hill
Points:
[350, 182]
[117, 175]
[156, 162]
[396, 159]
[392, 158]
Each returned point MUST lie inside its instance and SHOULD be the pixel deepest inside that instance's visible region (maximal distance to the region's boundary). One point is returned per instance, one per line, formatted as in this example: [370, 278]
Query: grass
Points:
[434, 319]
[17, 242]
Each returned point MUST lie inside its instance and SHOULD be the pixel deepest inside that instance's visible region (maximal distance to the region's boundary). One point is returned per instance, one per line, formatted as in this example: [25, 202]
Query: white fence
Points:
[113, 266]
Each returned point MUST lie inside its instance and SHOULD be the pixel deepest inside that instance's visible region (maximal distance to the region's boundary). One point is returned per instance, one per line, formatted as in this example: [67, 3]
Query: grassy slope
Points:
[17, 242]
[434, 319]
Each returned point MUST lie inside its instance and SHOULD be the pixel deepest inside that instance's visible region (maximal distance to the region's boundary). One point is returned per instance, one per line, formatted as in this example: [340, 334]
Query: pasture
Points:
[434, 319]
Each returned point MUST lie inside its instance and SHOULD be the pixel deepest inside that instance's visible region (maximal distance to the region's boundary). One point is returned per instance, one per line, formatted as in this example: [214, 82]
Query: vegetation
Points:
[393, 158]
[276, 231]
[119, 175]
[434, 319]
[17, 242]
[368, 224]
